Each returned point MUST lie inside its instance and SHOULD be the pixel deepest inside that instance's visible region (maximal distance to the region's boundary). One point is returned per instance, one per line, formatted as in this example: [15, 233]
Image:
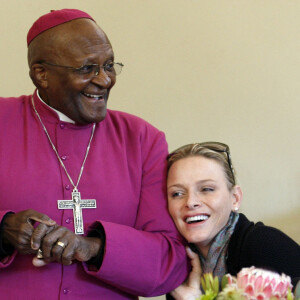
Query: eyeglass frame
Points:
[206, 145]
[96, 71]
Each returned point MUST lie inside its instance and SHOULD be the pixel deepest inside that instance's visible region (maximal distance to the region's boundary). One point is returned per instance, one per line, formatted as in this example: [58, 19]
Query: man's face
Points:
[84, 100]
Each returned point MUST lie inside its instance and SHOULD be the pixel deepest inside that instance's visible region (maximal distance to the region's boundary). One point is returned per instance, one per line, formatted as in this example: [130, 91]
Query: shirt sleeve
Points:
[148, 259]
[95, 263]
[7, 253]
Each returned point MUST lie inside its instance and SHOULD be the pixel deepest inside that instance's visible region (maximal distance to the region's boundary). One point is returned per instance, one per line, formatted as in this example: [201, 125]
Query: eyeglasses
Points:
[214, 146]
[92, 70]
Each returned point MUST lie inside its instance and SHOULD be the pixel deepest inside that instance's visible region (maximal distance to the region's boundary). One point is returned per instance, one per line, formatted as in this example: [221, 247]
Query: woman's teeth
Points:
[198, 218]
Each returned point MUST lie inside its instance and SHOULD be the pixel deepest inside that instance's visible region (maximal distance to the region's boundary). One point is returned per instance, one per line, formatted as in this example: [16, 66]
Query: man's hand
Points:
[63, 246]
[19, 227]
[190, 289]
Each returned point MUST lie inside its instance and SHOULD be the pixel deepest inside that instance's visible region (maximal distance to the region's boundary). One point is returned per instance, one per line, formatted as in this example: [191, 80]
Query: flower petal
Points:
[249, 289]
[268, 291]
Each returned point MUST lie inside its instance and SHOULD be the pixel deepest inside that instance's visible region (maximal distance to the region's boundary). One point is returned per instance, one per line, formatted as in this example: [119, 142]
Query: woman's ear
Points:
[237, 196]
[38, 75]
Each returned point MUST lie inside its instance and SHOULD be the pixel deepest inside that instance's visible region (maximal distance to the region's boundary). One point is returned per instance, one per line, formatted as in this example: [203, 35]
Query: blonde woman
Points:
[203, 200]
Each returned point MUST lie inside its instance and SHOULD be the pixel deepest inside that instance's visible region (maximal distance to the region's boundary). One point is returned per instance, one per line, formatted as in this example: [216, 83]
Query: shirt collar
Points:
[61, 116]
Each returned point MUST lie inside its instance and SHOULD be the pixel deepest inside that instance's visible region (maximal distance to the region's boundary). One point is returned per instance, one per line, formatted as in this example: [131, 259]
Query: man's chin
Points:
[88, 119]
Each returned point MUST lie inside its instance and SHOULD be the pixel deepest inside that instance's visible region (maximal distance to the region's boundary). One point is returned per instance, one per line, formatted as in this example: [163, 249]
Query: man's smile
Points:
[94, 96]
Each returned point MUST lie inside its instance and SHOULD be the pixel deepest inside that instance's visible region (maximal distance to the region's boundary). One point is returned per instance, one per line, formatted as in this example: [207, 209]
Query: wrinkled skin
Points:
[19, 228]
[76, 247]
[75, 43]
[20, 232]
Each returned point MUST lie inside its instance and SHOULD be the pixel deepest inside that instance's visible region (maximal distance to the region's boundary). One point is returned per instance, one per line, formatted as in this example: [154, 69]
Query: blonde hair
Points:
[211, 150]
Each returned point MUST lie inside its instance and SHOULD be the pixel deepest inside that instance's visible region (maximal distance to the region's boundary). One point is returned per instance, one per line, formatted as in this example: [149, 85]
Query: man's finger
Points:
[44, 220]
[38, 233]
[38, 262]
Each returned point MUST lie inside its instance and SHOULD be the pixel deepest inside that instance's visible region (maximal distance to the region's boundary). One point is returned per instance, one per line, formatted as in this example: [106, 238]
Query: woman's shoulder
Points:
[260, 233]
[255, 244]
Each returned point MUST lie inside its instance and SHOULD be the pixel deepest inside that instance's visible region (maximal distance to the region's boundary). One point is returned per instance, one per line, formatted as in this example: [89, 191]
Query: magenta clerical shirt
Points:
[125, 172]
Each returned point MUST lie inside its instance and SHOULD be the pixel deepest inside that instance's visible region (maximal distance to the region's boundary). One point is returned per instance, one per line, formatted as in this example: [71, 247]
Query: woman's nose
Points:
[193, 201]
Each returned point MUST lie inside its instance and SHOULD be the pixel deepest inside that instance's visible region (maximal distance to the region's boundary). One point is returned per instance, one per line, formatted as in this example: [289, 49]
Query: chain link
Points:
[59, 159]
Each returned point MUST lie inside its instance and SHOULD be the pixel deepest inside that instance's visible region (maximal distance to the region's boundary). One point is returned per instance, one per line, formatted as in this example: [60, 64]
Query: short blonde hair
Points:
[211, 150]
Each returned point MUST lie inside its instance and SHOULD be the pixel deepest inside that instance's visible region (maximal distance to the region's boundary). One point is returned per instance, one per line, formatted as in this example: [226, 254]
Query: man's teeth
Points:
[93, 96]
[196, 219]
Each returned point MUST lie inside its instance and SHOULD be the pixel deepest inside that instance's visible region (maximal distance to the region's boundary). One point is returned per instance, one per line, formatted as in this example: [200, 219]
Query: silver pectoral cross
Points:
[77, 204]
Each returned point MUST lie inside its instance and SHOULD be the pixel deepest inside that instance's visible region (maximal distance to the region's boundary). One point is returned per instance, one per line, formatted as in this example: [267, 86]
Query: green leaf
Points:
[216, 285]
[208, 280]
[203, 284]
[209, 295]
[289, 296]
[238, 297]
[297, 290]
[224, 281]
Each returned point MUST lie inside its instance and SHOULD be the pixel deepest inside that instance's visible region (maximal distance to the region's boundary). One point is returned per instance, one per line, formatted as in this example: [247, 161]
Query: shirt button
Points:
[67, 187]
[62, 126]
[68, 221]
[66, 291]
[64, 157]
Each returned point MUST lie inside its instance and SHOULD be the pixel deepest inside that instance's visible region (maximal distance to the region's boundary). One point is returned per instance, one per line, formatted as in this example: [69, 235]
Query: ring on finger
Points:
[61, 244]
[40, 253]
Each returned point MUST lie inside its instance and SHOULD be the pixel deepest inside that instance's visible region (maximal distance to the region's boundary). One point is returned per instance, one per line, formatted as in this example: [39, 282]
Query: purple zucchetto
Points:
[52, 19]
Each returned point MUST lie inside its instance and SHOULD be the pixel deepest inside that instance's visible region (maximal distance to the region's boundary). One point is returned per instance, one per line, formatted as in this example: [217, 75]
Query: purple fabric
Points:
[124, 172]
[52, 19]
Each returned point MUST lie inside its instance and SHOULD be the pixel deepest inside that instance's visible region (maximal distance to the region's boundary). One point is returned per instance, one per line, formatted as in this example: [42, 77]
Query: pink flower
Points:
[261, 284]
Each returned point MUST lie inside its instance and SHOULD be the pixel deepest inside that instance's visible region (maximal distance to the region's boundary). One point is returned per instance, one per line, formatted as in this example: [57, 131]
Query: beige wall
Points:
[199, 70]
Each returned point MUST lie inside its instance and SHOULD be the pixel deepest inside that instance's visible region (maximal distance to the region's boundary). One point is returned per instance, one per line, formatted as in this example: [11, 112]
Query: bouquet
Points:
[250, 284]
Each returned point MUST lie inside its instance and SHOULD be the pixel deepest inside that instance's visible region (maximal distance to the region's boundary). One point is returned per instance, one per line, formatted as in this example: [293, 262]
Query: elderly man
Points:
[82, 188]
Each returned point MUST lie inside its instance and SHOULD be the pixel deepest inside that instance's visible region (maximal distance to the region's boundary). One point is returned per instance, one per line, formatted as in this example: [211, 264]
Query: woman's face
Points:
[199, 200]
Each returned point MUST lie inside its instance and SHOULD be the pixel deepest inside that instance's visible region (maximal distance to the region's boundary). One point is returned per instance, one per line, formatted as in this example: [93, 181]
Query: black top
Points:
[263, 247]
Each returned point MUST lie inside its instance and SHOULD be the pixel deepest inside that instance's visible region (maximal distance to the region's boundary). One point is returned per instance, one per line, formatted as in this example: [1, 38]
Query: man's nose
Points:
[102, 79]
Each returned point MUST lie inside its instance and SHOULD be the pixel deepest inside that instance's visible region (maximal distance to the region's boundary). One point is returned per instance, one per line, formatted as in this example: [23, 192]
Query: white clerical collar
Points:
[61, 116]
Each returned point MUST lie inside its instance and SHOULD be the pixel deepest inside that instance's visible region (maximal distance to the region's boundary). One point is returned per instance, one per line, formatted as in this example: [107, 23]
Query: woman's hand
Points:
[190, 289]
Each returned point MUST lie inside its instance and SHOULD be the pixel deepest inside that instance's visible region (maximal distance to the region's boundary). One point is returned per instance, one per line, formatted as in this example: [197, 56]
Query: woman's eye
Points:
[207, 189]
[176, 194]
